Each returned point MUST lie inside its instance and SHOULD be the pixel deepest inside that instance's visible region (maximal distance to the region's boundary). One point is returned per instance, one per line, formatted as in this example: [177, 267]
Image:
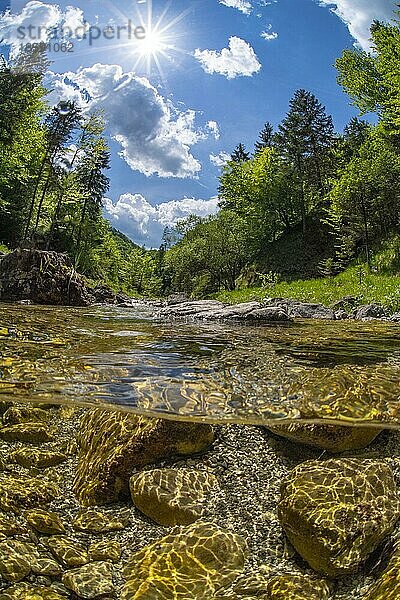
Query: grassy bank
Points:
[355, 281]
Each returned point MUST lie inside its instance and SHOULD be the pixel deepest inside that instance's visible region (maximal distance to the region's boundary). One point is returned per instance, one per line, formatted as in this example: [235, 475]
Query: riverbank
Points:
[355, 282]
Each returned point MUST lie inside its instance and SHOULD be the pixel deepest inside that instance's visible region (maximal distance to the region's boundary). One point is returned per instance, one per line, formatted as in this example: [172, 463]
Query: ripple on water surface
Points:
[119, 357]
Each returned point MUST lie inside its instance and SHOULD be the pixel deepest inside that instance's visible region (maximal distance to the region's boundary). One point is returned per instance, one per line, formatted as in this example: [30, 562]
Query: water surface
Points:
[125, 359]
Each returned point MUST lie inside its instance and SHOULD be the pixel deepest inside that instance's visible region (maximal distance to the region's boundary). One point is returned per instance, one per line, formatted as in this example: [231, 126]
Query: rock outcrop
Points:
[113, 445]
[336, 512]
[42, 278]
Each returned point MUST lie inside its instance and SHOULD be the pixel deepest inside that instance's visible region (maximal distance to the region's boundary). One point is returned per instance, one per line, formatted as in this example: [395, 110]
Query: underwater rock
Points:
[105, 550]
[114, 444]
[334, 438]
[9, 526]
[67, 551]
[42, 277]
[387, 586]
[94, 521]
[14, 560]
[31, 433]
[90, 581]
[27, 591]
[18, 492]
[171, 496]
[192, 563]
[296, 587]
[37, 458]
[15, 415]
[336, 512]
[45, 565]
[45, 522]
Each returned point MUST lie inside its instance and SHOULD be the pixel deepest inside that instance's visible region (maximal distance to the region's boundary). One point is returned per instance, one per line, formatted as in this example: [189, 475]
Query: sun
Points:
[153, 44]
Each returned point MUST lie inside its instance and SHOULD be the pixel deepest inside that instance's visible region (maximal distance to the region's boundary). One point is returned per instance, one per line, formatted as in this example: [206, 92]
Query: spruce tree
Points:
[266, 138]
[240, 155]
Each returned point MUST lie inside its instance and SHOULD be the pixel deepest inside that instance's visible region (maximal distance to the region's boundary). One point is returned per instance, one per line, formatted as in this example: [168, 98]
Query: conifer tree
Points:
[240, 155]
[266, 138]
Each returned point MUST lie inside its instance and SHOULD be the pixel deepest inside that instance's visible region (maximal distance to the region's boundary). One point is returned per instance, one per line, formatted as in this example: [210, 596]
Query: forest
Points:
[305, 204]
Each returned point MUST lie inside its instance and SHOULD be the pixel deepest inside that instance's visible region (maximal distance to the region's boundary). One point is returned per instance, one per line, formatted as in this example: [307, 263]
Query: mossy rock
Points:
[16, 415]
[334, 438]
[37, 458]
[90, 581]
[29, 433]
[172, 496]
[297, 587]
[17, 493]
[27, 591]
[114, 444]
[105, 550]
[336, 512]
[191, 563]
[67, 551]
[388, 585]
[45, 522]
[94, 521]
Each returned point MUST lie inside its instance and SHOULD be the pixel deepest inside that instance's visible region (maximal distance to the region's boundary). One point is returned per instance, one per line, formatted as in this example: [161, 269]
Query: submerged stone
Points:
[17, 493]
[9, 526]
[388, 585]
[38, 458]
[114, 444]
[45, 522]
[69, 552]
[94, 521]
[171, 496]
[334, 438]
[105, 550]
[191, 563]
[336, 512]
[27, 591]
[90, 581]
[297, 587]
[31, 433]
[16, 415]
[14, 560]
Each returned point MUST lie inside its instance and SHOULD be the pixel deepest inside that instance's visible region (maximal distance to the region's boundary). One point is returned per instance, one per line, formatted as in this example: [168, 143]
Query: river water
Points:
[125, 359]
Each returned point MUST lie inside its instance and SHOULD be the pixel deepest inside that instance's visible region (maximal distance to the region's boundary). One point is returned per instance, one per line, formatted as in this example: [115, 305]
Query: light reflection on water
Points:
[123, 358]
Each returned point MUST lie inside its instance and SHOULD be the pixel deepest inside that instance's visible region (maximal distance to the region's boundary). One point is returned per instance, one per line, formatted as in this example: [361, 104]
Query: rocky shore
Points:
[97, 504]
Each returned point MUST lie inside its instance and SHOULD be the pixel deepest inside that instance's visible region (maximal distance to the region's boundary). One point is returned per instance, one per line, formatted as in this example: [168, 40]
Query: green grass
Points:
[369, 288]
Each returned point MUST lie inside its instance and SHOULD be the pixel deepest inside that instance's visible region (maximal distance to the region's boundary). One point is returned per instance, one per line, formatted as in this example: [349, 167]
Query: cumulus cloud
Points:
[239, 59]
[243, 5]
[359, 14]
[37, 22]
[155, 136]
[144, 224]
[219, 160]
[213, 128]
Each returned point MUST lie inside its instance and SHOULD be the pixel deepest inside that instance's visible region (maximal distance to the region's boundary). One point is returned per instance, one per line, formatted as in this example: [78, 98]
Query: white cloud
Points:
[36, 23]
[243, 5]
[359, 15]
[213, 128]
[155, 136]
[220, 160]
[144, 224]
[239, 59]
[268, 34]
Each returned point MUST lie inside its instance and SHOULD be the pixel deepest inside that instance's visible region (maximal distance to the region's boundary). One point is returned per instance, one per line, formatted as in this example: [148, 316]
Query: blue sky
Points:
[206, 78]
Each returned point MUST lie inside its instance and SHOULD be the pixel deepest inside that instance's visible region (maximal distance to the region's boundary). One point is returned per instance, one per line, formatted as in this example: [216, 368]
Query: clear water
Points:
[125, 359]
